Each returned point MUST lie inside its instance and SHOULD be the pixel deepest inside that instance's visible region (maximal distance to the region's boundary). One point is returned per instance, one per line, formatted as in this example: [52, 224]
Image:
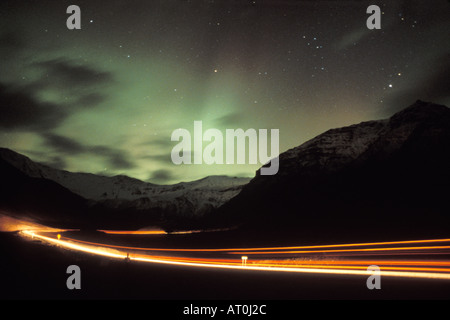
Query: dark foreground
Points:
[31, 270]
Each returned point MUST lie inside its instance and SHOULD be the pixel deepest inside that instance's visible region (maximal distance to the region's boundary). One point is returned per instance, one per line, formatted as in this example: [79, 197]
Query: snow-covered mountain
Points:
[391, 174]
[336, 148]
[196, 197]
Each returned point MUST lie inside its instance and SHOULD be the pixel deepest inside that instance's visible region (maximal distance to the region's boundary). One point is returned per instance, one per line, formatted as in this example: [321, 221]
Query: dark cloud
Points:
[159, 149]
[69, 147]
[80, 85]
[45, 158]
[68, 73]
[20, 105]
[116, 158]
[81, 82]
[167, 158]
[19, 109]
[158, 144]
[161, 176]
[90, 100]
[164, 142]
[163, 158]
[64, 145]
[56, 162]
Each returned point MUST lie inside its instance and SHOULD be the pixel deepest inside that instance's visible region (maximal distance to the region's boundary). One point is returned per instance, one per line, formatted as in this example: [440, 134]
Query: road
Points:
[411, 258]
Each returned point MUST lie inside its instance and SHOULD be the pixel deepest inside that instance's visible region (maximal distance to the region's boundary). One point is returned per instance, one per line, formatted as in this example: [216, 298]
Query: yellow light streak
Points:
[343, 250]
[339, 245]
[236, 264]
[259, 250]
[137, 232]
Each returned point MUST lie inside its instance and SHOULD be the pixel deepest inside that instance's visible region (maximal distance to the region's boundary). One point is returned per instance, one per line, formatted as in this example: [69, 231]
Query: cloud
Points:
[116, 158]
[90, 100]
[161, 176]
[19, 109]
[63, 144]
[73, 86]
[84, 85]
[69, 74]
[56, 162]
[44, 158]
[162, 158]
[158, 149]
[163, 142]
[352, 37]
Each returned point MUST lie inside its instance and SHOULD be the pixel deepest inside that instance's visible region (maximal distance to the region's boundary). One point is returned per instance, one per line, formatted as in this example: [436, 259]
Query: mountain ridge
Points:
[394, 169]
[122, 191]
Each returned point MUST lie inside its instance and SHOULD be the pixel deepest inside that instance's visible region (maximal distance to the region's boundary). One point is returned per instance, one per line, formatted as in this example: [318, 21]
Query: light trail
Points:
[74, 246]
[343, 250]
[341, 245]
[318, 266]
[308, 247]
[137, 232]
[260, 251]
[371, 262]
[125, 232]
[156, 232]
[343, 266]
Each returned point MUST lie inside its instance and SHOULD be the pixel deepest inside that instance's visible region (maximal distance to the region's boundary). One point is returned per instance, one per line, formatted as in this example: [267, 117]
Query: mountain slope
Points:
[41, 200]
[124, 193]
[379, 178]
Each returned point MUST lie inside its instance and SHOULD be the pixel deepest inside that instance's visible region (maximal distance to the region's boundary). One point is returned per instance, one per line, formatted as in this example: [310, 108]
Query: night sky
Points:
[105, 99]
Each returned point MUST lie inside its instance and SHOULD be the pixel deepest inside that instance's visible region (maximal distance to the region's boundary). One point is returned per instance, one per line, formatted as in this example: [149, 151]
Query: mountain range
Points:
[387, 178]
[118, 198]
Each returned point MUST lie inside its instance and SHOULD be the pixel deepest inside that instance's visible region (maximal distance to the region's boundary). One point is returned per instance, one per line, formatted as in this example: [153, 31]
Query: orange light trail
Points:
[287, 252]
[371, 262]
[344, 250]
[318, 266]
[340, 245]
[282, 249]
[137, 232]
[156, 232]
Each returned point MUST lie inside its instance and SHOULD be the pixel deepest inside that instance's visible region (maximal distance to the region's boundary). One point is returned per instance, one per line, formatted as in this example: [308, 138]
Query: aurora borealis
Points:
[105, 99]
